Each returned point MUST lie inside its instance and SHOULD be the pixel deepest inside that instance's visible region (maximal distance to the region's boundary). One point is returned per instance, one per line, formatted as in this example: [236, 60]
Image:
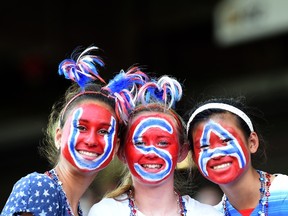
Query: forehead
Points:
[223, 118]
[147, 114]
[94, 103]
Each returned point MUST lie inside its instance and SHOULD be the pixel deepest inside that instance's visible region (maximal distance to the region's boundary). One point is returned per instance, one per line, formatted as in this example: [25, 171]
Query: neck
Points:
[248, 198]
[154, 203]
[74, 184]
[244, 193]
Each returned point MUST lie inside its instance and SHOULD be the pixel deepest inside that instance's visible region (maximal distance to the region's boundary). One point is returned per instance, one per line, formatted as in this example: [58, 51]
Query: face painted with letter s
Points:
[152, 147]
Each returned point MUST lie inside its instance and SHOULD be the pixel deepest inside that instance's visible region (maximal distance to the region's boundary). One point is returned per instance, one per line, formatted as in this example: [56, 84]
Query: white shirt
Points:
[112, 207]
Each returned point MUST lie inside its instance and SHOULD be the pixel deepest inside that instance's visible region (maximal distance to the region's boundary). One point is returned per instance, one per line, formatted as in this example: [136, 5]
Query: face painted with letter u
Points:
[89, 136]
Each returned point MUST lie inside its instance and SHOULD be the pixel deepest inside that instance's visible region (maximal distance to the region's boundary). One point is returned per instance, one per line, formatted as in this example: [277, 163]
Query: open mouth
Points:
[87, 154]
[151, 166]
[221, 166]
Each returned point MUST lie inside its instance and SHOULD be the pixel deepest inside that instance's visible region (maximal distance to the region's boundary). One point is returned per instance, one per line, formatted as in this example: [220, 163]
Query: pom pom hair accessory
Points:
[123, 87]
[84, 69]
[166, 91]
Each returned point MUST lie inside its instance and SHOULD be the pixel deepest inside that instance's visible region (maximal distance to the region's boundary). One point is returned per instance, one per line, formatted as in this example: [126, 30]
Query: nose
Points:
[91, 139]
[216, 142]
[151, 155]
[150, 148]
[214, 145]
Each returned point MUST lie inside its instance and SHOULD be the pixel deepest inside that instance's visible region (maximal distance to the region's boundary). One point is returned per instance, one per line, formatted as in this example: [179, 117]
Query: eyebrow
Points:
[101, 123]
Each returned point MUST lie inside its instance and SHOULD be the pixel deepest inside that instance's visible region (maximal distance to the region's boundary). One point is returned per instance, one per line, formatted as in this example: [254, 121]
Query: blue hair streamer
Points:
[84, 69]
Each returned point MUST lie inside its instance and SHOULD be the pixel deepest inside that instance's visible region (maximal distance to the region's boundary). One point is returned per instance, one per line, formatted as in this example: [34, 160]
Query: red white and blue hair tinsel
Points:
[166, 91]
[84, 69]
[123, 87]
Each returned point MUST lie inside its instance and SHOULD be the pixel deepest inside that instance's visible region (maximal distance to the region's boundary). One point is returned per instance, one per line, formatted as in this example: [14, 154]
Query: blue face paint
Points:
[231, 147]
[140, 130]
[109, 140]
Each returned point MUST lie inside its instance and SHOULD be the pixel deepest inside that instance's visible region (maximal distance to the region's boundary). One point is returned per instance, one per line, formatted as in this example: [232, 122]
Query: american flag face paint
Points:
[220, 151]
[152, 147]
[90, 137]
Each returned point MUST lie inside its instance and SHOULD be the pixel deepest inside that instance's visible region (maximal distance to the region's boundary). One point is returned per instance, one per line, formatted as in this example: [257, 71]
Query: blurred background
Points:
[213, 47]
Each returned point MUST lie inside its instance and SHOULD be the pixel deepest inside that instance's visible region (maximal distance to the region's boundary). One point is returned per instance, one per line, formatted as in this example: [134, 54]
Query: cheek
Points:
[246, 153]
[131, 152]
[65, 135]
[196, 137]
[174, 151]
[196, 157]
[196, 152]
[243, 147]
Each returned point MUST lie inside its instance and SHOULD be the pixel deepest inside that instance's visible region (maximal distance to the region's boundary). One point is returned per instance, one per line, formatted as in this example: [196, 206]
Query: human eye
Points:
[163, 143]
[103, 131]
[139, 142]
[78, 125]
[204, 146]
[81, 127]
[226, 140]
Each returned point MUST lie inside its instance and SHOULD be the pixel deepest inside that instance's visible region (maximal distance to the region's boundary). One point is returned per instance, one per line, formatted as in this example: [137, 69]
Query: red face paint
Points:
[152, 147]
[89, 136]
[220, 150]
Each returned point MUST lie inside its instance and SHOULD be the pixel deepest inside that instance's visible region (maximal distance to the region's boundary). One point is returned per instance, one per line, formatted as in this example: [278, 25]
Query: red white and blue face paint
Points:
[152, 147]
[220, 151]
[89, 135]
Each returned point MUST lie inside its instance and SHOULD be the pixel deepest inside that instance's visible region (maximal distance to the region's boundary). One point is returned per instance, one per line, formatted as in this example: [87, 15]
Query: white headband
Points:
[222, 106]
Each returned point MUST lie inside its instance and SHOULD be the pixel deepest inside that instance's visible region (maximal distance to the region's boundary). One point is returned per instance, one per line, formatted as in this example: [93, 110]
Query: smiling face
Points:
[220, 148]
[152, 147]
[89, 136]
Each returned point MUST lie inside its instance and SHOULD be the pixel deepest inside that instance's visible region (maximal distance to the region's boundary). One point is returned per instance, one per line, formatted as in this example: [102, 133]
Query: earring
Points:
[57, 145]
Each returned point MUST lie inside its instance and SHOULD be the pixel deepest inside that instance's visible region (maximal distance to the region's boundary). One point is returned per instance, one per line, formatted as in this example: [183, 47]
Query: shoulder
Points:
[111, 206]
[219, 206]
[34, 182]
[280, 176]
[31, 192]
[278, 199]
[195, 207]
[279, 182]
[279, 187]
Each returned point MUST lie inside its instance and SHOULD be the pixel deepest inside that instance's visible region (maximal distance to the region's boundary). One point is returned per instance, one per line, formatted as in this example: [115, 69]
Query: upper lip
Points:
[218, 161]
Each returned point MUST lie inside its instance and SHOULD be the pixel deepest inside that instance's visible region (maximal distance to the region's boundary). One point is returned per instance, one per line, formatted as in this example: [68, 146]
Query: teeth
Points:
[152, 166]
[90, 154]
[222, 166]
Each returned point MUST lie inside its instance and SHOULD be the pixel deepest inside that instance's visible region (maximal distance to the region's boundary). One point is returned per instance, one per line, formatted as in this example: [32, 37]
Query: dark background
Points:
[168, 37]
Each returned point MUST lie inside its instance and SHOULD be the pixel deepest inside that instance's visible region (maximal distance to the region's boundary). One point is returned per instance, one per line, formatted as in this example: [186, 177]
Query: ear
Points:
[253, 142]
[57, 138]
[183, 152]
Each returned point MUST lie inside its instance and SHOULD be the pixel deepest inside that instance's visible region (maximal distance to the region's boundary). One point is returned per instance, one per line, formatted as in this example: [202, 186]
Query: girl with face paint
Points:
[152, 143]
[82, 137]
[224, 146]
